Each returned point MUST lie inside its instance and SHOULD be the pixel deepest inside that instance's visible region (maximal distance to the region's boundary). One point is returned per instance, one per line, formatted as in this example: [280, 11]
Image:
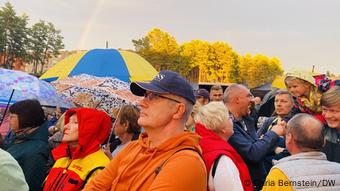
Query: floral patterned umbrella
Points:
[16, 86]
[105, 93]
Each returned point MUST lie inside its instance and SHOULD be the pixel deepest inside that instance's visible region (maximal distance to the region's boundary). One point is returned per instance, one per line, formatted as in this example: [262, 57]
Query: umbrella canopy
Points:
[267, 107]
[25, 86]
[105, 93]
[124, 65]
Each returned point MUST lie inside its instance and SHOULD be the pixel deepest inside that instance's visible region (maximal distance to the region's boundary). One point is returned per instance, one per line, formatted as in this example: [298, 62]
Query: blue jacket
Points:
[32, 153]
[252, 149]
[271, 121]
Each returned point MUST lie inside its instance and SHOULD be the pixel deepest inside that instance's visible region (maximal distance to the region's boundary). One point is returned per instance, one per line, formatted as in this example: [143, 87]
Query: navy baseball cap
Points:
[202, 93]
[165, 82]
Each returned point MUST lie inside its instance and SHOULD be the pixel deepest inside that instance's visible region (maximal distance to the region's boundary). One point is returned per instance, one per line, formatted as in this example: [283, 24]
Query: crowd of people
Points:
[180, 139]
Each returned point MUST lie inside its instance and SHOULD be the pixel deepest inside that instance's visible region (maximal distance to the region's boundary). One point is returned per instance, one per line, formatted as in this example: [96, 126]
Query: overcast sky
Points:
[301, 33]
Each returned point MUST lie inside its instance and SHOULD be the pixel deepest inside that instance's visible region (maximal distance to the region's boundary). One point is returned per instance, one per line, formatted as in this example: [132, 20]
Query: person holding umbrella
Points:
[126, 129]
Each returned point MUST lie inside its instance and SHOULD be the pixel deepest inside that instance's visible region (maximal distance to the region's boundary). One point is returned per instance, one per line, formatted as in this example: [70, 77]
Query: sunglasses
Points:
[151, 95]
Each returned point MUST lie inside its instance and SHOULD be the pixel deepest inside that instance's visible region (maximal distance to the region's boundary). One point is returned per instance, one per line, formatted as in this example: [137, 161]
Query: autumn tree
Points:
[162, 51]
[198, 52]
[234, 74]
[207, 62]
[259, 69]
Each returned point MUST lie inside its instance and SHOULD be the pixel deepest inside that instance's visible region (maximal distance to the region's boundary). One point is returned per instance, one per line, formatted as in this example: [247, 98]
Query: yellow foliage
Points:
[210, 62]
[162, 42]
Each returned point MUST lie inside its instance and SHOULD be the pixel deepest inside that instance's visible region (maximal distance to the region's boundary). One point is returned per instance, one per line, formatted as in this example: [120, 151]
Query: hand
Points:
[107, 151]
[280, 128]
[278, 150]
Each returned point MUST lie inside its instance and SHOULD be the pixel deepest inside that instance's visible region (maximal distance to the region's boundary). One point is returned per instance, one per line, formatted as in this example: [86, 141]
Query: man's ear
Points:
[236, 99]
[180, 111]
[289, 138]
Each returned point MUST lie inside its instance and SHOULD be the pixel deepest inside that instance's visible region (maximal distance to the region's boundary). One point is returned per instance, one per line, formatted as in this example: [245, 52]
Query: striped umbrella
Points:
[124, 65]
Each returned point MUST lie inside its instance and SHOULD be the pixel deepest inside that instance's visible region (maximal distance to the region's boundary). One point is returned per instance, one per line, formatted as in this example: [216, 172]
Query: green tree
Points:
[13, 35]
[45, 43]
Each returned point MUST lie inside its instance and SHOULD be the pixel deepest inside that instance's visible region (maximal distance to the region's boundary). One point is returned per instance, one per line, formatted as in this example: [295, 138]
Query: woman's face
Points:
[332, 116]
[283, 104]
[120, 129]
[14, 122]
[298, 88]
[71, 134]
[228, 130]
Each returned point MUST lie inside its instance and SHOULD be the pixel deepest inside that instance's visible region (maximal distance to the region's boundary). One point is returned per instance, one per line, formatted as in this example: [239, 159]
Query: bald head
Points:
[306, 131]
[233, 91]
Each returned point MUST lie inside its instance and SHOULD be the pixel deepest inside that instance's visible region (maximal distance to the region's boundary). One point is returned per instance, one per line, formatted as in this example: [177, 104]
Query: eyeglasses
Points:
[150, 96]
[331, 111]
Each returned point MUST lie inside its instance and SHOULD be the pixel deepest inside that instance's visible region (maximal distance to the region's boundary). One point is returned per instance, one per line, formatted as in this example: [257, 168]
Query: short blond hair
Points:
[213, 116]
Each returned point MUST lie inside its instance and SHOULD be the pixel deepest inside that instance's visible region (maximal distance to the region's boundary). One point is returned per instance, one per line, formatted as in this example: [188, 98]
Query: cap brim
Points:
[139, 88]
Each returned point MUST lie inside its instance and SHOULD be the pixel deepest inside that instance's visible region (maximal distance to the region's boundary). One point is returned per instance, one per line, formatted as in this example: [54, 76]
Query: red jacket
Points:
[74, 166]
[213, 145]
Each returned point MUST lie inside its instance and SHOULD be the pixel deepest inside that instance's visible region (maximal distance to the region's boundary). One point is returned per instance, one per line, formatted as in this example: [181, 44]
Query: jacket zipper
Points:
[61, 181]
[54, 182]
[62, 176]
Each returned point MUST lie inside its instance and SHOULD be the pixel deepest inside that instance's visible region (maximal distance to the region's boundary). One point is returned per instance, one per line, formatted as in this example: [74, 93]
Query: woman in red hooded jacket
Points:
[79, 156]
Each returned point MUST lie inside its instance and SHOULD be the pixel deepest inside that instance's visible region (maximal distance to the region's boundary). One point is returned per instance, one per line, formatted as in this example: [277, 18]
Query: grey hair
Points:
[307, 131]
[213, 116]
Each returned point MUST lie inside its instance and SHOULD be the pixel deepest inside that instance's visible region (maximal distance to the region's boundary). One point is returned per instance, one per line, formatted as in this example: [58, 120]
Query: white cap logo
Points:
[159, 77]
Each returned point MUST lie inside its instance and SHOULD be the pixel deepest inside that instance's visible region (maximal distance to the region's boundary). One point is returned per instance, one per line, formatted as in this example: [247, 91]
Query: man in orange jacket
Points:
[165, 157]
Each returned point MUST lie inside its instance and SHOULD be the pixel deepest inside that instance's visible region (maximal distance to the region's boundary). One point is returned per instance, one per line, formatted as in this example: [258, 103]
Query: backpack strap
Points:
[159, 168]
[90, 174]
[215, 165]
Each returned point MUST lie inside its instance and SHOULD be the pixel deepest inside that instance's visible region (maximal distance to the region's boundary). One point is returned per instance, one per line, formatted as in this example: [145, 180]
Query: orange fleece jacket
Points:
[134, 167]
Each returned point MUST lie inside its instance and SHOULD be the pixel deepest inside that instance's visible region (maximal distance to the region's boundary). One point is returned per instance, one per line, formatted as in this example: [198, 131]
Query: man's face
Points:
[157, 110]
[216, 95]
[332, 116]
[283, 104]
[244, 101]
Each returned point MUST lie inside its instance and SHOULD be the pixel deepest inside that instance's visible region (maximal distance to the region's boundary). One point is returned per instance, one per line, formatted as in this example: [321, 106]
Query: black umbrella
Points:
[267, 107]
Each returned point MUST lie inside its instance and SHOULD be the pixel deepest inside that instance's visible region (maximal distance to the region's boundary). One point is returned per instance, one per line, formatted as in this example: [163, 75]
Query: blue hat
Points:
[202, 93]
[165, 82]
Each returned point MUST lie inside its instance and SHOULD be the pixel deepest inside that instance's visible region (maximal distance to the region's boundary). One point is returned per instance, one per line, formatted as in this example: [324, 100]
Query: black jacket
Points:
[332, 147]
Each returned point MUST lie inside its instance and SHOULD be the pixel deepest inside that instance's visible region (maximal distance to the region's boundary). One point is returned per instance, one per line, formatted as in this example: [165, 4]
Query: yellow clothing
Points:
[276, 181]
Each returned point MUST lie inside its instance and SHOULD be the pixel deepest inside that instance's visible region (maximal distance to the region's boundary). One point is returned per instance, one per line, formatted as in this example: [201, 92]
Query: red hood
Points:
[94, 127]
